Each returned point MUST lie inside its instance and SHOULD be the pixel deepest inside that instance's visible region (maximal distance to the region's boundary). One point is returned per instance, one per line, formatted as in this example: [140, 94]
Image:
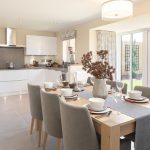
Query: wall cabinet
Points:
[41, 45]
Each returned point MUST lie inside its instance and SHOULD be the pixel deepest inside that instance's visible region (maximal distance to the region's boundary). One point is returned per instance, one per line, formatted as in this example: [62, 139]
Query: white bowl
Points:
[135, 94]
[48, 85]
[66, 91]
[96, 104]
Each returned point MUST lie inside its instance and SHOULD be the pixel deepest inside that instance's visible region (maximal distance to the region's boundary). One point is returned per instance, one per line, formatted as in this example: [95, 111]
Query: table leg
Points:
[110, 137]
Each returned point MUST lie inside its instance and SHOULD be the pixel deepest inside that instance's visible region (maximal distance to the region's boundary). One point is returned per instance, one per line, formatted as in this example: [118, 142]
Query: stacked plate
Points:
[135, 97]
[137, 100]
[93, 111]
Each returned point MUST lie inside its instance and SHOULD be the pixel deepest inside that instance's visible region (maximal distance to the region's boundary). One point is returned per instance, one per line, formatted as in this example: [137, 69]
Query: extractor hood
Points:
[10, 36]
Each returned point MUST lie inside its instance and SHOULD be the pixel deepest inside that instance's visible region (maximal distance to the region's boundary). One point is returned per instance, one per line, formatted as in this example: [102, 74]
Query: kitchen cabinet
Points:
[52, 75]
[41, 45]
[36, 76]
[13, 82]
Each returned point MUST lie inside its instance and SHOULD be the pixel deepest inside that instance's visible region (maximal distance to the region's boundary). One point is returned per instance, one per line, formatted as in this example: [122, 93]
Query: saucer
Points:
[105, 110]
[145, 100]
[137, 99]
[71, 96]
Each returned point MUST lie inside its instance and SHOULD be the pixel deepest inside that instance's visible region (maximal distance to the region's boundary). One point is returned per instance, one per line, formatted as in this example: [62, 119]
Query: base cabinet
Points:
[14, 82]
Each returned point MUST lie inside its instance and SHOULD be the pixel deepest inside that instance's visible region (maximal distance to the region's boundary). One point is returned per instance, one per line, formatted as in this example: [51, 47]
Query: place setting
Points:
[135, 96]
[96, 107]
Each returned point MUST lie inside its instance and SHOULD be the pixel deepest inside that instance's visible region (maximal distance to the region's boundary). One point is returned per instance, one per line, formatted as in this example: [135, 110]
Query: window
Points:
[127, 57]
[135, 55]
[66, 45]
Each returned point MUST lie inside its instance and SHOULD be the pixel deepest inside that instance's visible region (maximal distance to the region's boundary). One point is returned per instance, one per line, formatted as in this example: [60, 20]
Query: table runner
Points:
[140, 113]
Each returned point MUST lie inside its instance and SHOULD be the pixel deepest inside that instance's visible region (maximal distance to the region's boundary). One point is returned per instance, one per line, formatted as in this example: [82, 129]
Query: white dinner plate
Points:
[97, 112]
[142, 98]
[71, 96]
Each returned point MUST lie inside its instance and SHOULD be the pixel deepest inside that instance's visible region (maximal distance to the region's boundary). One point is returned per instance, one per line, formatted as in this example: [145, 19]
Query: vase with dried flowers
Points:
[100, 69]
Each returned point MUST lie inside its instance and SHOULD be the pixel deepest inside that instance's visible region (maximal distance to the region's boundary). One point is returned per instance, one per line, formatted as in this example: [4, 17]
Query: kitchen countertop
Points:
[49, 68]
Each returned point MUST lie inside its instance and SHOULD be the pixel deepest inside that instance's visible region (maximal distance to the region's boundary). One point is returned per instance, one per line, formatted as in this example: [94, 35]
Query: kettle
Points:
[11, 65]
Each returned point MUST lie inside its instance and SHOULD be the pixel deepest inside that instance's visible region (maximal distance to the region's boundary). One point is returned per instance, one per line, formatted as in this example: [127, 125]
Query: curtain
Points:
[106, 40]
[67, 35]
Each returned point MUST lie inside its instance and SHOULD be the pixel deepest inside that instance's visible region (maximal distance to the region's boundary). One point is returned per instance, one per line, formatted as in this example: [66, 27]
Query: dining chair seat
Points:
[51, 117]
[35, 109]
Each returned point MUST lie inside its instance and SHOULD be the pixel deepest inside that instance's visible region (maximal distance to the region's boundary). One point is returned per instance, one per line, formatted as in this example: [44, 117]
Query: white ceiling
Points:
[52, 15]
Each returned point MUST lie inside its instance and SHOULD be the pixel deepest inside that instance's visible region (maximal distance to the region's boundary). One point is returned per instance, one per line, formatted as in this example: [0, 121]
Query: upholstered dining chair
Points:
[113, 85]
[145, 90]
[146, 93]
[51, 117]
[35, 108]
[78, 129]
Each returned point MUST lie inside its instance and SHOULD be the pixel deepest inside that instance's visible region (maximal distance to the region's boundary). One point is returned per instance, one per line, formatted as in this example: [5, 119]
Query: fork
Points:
[105, 115]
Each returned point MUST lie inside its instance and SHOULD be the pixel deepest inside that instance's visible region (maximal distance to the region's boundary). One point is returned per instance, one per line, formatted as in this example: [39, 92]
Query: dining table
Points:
[111, 127]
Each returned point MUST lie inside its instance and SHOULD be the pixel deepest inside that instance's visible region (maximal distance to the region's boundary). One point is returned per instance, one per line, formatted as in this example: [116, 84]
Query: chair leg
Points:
[36, 124]
[32, 124]
[40, 131]
[45, 140]
[58, 144]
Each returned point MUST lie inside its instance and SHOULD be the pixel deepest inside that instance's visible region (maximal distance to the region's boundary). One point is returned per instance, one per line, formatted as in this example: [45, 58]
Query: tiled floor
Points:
[15, 125]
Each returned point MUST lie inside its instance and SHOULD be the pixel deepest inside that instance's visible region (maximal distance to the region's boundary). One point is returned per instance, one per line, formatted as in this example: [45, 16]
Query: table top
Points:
[115, 118]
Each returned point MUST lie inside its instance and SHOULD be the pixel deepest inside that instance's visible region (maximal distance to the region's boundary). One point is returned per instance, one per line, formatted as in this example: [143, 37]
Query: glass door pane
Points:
[132, 63]
[126, 60]
[137, 55]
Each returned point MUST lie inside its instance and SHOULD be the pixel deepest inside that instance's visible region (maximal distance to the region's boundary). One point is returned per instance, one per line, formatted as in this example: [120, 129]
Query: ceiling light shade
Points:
[116, 9]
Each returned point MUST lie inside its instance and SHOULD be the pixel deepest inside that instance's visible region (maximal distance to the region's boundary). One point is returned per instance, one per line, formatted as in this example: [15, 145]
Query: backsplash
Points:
[29, 59]
[11, 54]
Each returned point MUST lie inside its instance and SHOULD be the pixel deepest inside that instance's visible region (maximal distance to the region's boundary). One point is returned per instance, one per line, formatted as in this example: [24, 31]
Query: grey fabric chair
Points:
[51, 117]
[78, 129]
[146, 93]
[145, 90]
[35, 108]
[113, 85]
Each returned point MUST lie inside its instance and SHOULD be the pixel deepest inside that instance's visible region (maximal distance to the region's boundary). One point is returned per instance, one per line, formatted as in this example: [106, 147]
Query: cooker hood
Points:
[10, 36]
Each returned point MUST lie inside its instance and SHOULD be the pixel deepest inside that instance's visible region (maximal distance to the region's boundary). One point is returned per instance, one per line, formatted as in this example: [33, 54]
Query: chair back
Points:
[78, 129]
[145, 90]
[51, 114]
[113, 85]
[35, 101]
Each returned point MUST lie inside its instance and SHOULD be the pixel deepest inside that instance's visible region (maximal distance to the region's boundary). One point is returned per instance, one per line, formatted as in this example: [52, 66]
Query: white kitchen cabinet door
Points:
[13, 75]
[41, 45]
[33, 45]
[36, 76]
[52, 75]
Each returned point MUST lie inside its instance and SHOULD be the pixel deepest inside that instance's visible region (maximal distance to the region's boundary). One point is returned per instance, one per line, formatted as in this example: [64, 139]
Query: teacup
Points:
[66, 91]
[48, 85]
[65, 83]
[135, 94]
[96, 104]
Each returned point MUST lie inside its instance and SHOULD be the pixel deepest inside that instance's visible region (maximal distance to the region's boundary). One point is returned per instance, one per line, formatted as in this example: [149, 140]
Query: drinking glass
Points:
[120, 86]
[59, 80]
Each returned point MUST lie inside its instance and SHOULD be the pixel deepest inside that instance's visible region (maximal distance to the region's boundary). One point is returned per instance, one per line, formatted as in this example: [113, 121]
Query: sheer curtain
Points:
[106, 40]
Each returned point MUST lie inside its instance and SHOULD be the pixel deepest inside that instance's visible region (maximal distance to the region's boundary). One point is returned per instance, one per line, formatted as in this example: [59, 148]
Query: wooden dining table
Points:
[111, 127]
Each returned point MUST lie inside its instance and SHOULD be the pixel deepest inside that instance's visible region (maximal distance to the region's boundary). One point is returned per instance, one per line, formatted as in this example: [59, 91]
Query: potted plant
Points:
[100, 69]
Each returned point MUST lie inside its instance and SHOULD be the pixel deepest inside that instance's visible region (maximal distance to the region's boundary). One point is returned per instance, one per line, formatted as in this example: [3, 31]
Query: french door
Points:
[132, 62]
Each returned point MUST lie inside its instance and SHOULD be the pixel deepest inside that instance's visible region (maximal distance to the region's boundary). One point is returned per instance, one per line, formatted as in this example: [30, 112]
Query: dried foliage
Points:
[99, 69]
